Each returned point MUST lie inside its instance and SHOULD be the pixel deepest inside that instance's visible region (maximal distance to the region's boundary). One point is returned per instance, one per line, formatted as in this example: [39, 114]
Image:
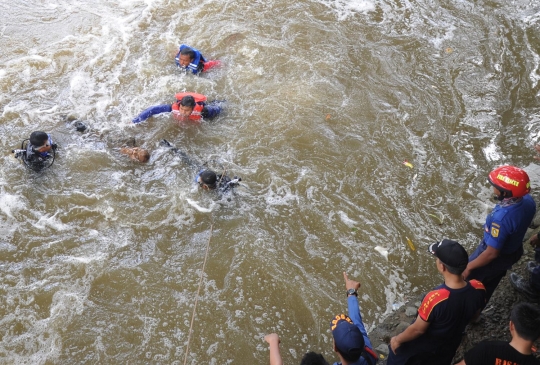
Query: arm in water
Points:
[212, 109]
[153, 110]
[187, 160]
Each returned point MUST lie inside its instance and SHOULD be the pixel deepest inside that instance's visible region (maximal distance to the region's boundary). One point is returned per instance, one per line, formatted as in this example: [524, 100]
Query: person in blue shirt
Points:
[187, 107]
[351, 342]
[191, 59]
[37, 152]
[505, 228]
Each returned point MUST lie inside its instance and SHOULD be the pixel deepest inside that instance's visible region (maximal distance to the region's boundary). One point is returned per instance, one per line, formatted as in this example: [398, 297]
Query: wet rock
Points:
[401, 327]
[411, 311]
[382, 349]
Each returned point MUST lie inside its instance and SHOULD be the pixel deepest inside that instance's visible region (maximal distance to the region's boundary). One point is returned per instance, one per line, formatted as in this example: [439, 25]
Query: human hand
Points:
[272, 338]
[351, 284]
[466, 274]
[534, 241]
[394, 344]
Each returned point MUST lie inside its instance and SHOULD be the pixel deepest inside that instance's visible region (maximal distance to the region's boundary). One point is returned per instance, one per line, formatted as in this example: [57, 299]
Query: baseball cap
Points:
[450, 253]
[347, 337]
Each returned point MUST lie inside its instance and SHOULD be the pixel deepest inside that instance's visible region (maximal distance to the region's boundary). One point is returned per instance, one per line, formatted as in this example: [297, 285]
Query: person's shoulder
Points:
[431, 300]
[529, 200]
[477, 284]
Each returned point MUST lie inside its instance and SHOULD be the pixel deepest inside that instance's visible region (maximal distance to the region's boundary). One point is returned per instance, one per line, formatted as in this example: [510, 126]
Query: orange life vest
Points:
[196, 113]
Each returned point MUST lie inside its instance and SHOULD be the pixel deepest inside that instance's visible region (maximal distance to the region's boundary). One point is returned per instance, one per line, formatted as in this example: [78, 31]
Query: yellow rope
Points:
[198, 291]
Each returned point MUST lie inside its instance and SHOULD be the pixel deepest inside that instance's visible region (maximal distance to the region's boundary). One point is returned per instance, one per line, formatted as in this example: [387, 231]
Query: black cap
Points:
[451, 253]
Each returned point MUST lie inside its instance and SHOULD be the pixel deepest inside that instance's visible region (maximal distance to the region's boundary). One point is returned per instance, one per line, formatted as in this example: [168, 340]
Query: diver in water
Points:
[37, 152]
[209, 180]
[206, 178]
[191, 59]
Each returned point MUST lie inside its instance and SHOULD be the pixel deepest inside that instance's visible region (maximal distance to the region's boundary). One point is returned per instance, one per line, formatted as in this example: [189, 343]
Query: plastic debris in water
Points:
[408, 164]
[449, 50]
[397, 305]
[440, 219]
[328, 116]
[383, 251]
[410, 243]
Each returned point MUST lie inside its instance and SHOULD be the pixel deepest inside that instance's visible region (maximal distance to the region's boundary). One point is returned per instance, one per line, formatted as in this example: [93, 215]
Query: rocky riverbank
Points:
[493, 324]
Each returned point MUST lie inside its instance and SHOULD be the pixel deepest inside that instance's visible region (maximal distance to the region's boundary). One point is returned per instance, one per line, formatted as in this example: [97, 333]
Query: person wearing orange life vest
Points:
[505, 227]
[188, 106]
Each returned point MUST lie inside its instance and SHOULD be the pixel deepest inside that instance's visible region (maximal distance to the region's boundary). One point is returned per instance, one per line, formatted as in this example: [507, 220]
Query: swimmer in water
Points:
[191, 59]
[187, 107]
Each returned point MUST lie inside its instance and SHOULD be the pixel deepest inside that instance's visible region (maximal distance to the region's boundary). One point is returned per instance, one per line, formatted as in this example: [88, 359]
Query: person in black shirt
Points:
[525, 329]
[432, 339]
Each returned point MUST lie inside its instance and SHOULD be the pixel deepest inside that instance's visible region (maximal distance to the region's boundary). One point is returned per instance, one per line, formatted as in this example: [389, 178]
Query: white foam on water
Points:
[10, 203]
[345, 9]
[345, 219]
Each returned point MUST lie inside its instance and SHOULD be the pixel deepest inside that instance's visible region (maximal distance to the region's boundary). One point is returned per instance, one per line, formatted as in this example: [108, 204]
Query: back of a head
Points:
[348, 339]
[526, 319]
[186, 51]
[38, 138]
[188, 101]
[209, 177]
[313, 358]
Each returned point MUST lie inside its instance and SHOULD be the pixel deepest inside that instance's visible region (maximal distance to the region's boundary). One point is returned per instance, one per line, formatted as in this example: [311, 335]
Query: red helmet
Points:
[512, 181]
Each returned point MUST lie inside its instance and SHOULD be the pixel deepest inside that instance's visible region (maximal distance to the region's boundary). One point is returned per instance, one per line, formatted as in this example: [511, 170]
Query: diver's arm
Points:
[153, 110]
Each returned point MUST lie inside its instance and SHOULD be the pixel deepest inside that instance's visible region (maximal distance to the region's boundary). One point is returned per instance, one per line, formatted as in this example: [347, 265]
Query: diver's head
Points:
[186, 105]
[136, 153]
[40, 141]
[207, 180]
[187, 55]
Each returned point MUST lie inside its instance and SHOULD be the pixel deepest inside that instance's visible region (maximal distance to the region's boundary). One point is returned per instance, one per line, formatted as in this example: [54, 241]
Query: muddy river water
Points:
[101, 257]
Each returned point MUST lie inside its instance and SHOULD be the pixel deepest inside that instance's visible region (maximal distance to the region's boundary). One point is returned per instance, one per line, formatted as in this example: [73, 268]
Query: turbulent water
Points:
[101, 257]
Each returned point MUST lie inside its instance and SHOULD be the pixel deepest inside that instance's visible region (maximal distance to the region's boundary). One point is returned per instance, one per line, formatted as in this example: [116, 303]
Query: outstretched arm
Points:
[275, 356]
[153, 110]
[354, 308]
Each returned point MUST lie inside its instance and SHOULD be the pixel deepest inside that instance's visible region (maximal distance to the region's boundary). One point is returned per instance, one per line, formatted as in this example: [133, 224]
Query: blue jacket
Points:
[506, 226]
[356, 317]
[194, 65]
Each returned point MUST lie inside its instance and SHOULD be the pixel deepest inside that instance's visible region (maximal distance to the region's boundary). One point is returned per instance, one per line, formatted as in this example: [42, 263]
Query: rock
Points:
[411, 311]
[401, 327]
[382, 349]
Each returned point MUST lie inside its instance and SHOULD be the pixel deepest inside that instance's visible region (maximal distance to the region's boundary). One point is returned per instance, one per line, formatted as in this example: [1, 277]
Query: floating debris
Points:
[410, 243]
[383, 251]
[328, 116]
[408, 164]
[449, 50]
[440, 219]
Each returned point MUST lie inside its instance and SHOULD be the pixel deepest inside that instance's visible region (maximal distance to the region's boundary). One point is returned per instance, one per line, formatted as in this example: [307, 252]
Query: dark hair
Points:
[188, 52]
[526, 319]
[209, 178]
[38, 138]
[188, 100]
[313, 358]
[454, 270]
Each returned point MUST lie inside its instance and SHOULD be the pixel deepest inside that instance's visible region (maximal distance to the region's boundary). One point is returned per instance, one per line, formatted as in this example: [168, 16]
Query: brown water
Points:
[101, 256]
